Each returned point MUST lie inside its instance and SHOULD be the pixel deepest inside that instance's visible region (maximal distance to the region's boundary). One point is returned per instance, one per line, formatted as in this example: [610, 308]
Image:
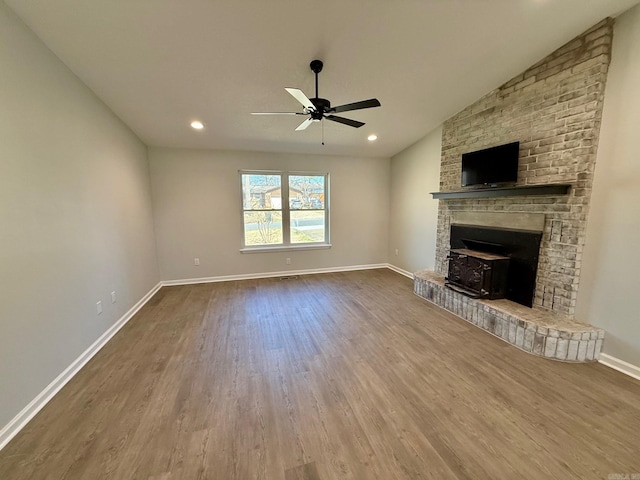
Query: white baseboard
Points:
[21, 419]
[400, 271]
[283, 273]
[620, 365]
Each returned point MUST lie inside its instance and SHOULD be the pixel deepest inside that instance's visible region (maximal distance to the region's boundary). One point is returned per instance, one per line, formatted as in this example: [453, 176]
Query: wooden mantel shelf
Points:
[550, 189]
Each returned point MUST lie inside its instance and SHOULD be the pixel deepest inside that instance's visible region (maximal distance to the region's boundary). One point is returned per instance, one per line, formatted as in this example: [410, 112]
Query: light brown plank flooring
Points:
[336, 376]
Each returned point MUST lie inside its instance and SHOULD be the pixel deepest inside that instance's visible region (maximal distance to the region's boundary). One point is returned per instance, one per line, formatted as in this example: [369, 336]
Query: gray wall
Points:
[197, 210]
[75, 217]
[413, 213]
[609, 285]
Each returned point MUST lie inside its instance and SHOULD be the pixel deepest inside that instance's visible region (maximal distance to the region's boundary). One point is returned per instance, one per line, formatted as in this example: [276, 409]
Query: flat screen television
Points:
[492, 166]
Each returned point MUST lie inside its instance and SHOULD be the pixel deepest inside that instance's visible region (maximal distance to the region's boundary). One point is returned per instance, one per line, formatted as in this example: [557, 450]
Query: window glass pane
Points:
[307, 227]
[306, 192]
[261, 192]
[262, 228]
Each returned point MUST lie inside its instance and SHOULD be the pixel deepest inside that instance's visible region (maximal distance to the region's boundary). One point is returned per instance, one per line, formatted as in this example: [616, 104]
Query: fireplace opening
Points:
[520, 247]
[481, 246]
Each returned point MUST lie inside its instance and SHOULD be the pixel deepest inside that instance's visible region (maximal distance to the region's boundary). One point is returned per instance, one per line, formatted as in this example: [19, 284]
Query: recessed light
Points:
[372, 138]
[197, 125]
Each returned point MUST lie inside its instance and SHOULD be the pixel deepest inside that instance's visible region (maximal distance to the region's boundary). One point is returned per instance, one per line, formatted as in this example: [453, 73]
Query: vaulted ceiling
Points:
[158, 64]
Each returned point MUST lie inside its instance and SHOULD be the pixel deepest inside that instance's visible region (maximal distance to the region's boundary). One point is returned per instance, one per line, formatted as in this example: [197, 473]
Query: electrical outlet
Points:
[113, 297]
[396, 252]
[196, 262]
[287, 261]
[99, 307]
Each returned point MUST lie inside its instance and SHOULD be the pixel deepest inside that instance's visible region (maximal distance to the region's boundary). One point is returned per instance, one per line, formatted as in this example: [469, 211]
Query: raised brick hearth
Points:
[536, 331]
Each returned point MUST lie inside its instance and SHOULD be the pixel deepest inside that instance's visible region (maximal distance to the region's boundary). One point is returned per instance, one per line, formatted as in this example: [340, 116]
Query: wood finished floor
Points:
[335, 376]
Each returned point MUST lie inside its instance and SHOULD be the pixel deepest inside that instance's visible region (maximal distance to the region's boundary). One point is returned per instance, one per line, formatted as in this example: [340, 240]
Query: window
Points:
[281, 209]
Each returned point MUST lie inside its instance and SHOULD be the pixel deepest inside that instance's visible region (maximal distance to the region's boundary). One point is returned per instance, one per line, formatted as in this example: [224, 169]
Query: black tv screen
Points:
[491, 166]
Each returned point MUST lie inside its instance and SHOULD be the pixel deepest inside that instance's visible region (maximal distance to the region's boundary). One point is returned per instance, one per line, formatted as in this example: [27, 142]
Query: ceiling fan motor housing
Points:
[322, 106]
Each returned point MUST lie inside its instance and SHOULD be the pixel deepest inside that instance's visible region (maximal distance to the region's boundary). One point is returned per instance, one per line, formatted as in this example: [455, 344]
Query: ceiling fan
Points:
[318, 108]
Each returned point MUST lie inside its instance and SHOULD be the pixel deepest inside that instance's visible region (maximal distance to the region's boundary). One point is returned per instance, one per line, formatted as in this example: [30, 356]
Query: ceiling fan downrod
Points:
[316, 67]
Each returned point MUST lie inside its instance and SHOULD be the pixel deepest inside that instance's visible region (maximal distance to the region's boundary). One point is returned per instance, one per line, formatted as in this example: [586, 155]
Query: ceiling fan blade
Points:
[373, 102]
[305, 124]
[301, 97]
[278, 113]
[346, 121]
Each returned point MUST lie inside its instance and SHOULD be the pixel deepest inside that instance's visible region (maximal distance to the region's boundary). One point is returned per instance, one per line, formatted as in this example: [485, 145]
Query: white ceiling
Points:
[158, 64]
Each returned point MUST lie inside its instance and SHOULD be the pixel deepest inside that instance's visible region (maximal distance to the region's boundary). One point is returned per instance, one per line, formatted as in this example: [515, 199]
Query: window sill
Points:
[286, 248]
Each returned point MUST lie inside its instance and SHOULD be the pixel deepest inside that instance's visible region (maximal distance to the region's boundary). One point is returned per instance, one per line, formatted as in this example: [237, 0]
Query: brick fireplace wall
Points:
[554, 109]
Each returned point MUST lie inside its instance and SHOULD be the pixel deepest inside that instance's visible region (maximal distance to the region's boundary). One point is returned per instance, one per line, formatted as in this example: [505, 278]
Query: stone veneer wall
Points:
[554, 109]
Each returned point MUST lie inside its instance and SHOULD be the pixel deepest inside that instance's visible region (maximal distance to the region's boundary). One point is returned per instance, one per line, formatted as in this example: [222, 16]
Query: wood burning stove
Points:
[478, 274]
[480, 255]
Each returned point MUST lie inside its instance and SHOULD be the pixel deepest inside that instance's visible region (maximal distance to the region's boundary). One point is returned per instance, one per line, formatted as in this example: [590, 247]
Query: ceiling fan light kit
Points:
[320, 108]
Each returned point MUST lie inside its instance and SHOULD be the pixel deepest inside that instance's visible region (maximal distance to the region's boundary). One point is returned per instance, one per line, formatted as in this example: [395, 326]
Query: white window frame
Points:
[286, 244]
